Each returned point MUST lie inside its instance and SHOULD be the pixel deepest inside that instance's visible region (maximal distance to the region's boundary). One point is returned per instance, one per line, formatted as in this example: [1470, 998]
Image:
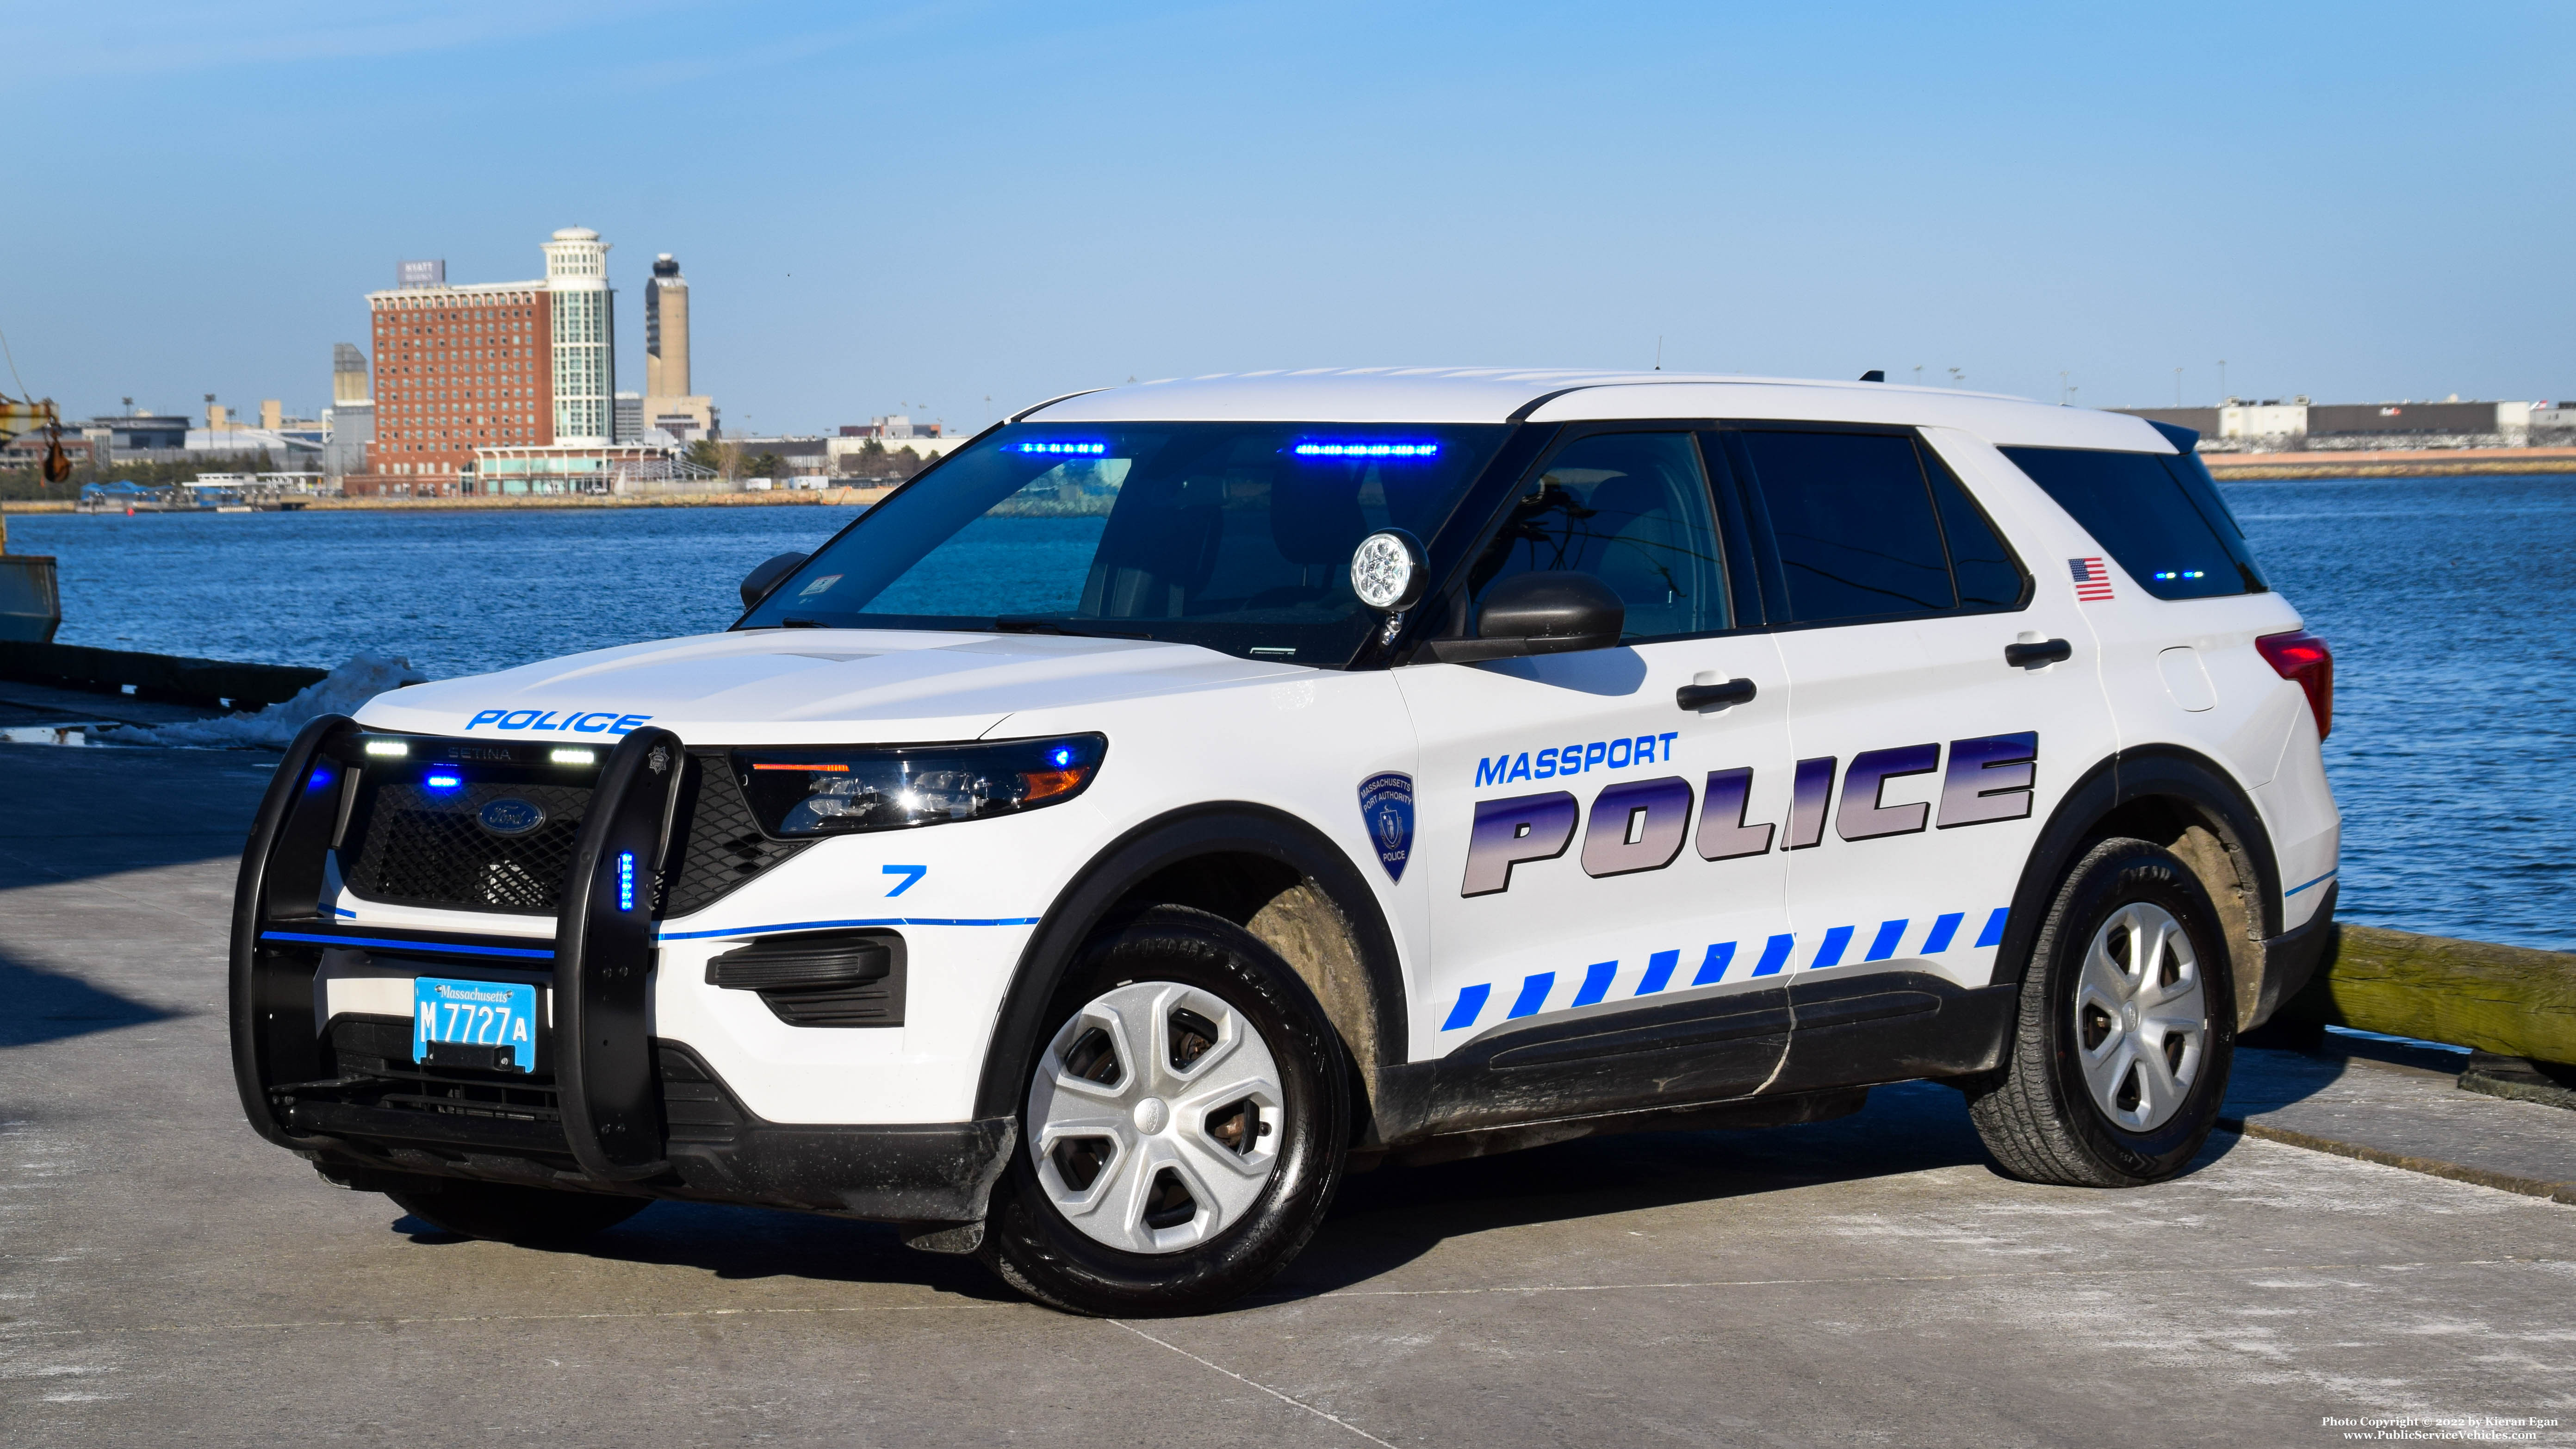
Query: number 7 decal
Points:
[911, 874]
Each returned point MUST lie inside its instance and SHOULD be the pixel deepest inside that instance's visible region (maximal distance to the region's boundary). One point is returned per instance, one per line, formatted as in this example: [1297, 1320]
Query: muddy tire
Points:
[1182, 1126]
[2120, 1057]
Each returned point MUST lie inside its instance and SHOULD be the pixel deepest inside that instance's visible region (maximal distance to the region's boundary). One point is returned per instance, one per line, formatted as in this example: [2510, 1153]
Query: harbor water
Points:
[2450, 603]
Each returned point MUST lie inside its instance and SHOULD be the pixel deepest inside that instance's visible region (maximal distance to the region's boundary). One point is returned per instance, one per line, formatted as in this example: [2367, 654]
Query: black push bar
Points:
[604, 937]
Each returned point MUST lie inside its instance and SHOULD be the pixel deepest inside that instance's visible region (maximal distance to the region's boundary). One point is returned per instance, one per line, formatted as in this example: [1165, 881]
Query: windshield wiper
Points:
[1051, 626]
[802, 624]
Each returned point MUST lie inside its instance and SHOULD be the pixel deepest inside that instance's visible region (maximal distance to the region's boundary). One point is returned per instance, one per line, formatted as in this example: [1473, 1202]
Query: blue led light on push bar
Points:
[443, 780]
[1368, 450]
[1092, 450]
[626, 880]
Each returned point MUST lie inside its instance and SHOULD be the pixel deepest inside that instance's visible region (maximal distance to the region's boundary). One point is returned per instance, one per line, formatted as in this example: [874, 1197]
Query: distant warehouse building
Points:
[2389, 424]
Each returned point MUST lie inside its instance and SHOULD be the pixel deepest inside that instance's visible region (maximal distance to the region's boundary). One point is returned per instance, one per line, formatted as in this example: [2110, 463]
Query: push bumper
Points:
[611, 1108]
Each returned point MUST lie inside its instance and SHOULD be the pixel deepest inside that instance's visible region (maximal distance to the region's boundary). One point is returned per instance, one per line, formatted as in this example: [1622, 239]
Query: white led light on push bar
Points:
[574, 757]
[387, 747]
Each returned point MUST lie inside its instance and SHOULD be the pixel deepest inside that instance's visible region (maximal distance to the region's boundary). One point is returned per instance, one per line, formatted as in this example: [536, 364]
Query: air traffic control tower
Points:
[668, 403]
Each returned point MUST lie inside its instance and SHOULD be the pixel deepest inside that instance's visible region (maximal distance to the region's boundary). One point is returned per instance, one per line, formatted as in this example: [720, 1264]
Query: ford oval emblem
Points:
[510, 815]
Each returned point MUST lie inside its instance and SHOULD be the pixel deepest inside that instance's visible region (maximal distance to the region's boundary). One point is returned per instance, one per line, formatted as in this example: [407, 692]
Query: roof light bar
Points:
[1368, 450]
[1092, 450]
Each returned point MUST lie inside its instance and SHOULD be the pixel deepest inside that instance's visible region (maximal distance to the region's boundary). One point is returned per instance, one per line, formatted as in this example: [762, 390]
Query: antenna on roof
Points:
[1659, 352]
[1875, 374]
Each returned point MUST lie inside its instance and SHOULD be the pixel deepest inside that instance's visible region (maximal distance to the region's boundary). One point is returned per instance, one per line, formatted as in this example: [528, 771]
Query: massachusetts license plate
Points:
[487, 1024]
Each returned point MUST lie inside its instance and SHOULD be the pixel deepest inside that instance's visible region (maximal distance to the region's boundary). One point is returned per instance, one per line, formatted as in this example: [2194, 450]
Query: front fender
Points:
[1225, 828]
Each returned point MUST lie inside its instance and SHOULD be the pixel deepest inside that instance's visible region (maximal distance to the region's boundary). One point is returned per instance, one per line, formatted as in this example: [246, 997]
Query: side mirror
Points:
[1539, 613]
[757, 584]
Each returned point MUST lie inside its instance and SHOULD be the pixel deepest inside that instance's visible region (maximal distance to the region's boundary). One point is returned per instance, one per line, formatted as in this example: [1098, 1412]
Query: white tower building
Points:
[585, 351]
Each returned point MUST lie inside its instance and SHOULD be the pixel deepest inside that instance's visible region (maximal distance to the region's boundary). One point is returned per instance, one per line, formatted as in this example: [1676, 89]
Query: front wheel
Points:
[2128, 1025]
[1183, 1127]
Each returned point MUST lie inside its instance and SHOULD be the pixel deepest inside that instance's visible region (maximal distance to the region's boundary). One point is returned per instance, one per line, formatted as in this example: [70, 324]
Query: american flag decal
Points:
[2092, 581]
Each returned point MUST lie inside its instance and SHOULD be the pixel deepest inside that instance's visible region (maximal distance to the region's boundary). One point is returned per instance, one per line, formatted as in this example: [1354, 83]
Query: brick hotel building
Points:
[515, 365]
[457, 367]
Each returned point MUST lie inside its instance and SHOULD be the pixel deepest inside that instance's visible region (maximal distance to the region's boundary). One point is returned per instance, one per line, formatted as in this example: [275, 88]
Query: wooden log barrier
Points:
[2509, 1000]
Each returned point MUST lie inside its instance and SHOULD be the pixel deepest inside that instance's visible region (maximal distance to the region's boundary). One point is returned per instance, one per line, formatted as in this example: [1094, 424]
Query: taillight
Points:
[2304, 657]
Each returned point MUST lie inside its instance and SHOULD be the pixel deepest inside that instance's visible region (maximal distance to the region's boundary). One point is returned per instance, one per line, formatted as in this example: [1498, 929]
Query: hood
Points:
[820, 686]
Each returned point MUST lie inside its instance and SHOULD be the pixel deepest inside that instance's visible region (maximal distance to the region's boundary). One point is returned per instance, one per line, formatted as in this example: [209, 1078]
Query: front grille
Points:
[431, 848]
[412, 846]
[724, 846]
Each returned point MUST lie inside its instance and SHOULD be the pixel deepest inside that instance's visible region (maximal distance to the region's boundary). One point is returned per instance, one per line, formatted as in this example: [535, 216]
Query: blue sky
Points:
[932, 204]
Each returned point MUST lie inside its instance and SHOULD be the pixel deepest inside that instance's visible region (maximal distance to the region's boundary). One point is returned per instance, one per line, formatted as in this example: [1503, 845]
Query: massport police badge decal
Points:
[1386, 804]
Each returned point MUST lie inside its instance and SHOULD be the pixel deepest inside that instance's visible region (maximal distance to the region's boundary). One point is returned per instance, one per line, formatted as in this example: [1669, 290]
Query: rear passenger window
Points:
[1853, 523]
[2139, 509]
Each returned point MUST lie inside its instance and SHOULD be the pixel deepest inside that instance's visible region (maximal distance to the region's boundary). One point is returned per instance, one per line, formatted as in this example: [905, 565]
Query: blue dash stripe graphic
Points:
[822, 925]
[2320, 880]
[1712, 968]
[518, 953]
[1471, 1003]
[1659, 972]
[1596, 982]
[1534, 990]
[1943, 930]
[1883, 945]
[1993, 934]
[1775, 954]
[1837, 941]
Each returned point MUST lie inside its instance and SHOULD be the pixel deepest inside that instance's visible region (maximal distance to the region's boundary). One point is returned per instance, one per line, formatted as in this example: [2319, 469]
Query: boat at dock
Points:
[208, 493]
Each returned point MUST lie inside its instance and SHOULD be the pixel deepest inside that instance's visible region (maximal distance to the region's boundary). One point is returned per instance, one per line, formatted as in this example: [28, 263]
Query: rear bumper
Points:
[2290, 959]
[611, 1107]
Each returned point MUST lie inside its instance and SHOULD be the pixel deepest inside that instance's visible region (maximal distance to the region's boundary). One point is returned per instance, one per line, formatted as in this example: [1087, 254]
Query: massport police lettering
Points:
[1506, 767]
[1639, 826]
[587, 722]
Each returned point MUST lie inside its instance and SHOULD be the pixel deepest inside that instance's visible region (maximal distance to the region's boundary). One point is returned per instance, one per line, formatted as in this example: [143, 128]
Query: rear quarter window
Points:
[2143, 509]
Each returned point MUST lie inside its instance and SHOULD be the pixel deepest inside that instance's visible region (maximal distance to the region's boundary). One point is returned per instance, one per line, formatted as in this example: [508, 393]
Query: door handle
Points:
[2034, 656]
[1710, 696]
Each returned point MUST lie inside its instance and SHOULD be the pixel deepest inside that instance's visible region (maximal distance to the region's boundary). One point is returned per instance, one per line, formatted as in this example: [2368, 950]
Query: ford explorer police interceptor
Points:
[1186, 793]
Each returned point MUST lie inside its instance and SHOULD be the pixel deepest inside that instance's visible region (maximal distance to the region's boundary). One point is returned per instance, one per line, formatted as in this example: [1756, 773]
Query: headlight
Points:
[840, 791]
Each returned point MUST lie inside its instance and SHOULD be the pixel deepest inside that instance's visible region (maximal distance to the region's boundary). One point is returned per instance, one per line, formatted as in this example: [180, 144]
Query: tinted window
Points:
[1630, 509]
[1981, 563]
[1853, 523]
[2136, 506]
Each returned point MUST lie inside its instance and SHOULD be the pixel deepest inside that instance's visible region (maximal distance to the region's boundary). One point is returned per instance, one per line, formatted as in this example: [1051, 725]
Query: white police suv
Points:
[1186, 793]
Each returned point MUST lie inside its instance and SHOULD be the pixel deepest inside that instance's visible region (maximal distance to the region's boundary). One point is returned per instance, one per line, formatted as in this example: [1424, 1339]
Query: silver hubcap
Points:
[2141, 1018]
[1155, 1117]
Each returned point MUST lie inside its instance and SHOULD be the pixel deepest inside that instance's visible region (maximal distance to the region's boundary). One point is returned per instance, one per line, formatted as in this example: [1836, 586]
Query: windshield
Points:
[1235, 536]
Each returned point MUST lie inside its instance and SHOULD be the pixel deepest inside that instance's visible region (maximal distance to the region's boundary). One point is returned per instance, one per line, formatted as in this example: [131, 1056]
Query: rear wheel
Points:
[2128, 1025]
[533, 1217]
[1182, 1129]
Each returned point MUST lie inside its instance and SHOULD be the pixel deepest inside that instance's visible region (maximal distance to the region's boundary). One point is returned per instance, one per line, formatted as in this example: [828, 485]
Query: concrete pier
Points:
[165, 1277]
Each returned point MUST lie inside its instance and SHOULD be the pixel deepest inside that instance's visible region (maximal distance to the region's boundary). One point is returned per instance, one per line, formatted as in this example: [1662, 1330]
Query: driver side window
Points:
[1632, 510]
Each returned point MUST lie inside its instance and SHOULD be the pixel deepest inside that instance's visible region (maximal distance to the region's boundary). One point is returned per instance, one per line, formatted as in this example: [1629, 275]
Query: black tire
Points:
[2040, 1116]
[533, 1217]
[1031, 1243]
